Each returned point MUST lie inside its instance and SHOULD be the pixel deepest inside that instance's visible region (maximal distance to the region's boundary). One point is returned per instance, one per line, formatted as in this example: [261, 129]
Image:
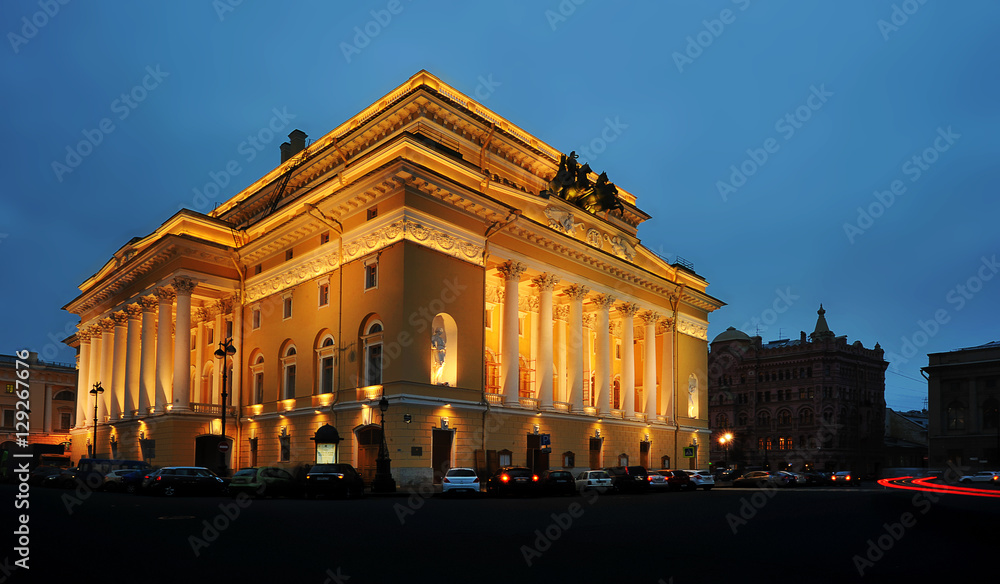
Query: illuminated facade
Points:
[492, 289]
[963, 388]
[814, 403]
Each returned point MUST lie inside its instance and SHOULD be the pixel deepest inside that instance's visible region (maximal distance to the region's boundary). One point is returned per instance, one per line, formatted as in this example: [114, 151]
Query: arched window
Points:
[444, 349]
[617, 402]
[372, 343]
[206, 396]
[764, 418]
[288, 373]
[64, 396]
[623, 459]
[325, 356]
[722, 421]
[806, 416]
[492, 373]
[784, 418]
[828, 416]
[257, 380]
[742, 419]
[955, 416]
[991, 419]
[523, 378]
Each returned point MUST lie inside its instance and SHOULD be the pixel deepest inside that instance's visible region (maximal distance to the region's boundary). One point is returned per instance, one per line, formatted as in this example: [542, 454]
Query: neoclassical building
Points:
[491, 288]
[812, 403]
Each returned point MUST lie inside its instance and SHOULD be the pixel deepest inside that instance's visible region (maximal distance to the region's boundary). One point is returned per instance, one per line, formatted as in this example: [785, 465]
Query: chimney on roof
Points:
[296, 143]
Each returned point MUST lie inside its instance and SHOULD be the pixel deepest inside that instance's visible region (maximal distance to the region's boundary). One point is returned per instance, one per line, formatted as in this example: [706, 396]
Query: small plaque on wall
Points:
[416, 451]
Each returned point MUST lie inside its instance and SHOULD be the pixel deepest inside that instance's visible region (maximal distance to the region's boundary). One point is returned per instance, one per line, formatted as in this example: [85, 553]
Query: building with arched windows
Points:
[491, 288]
[815, 403]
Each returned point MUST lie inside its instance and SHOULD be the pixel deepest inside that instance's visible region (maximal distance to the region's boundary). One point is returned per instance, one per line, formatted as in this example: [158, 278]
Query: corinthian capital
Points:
[649, 317]
[628, 308]
[576, 291]
[107, 325]
[166, 294]
[545, 281]
[148, 303]
[511, 270]
[134, 311]
[604, 301]
[184, 285]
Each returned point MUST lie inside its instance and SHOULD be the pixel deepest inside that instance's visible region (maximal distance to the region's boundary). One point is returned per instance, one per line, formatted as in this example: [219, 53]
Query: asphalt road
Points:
[726, 535]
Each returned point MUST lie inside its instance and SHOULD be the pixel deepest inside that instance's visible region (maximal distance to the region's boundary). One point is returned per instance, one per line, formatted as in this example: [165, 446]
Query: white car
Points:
[984, 476]
[701, 479]
[460, 480]
[593, 480]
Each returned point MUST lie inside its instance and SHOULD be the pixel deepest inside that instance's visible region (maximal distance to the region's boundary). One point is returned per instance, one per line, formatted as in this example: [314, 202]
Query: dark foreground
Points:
[726, 535]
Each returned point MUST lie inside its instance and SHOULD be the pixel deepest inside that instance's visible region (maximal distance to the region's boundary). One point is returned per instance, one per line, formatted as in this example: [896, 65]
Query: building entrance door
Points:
[207, 454]
[369, 439]
[595, 453]
[538, 460]
[441, 452]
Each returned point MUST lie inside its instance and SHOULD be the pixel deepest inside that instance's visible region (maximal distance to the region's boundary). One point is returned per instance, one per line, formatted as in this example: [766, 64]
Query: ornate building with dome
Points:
[812, 403]
[426, 267]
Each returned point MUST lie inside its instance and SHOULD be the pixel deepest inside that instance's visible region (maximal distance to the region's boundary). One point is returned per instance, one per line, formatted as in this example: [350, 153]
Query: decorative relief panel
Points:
[293, 276]
[692, 328]
[494, 294]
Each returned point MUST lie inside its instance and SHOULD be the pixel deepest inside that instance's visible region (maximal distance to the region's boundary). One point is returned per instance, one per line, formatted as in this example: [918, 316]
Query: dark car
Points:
[629, 479]
[131, 483]
[511, 480]
[265, 481]
[338, 479]
[764, 478]
[36, 476]
[188, 480]
[557, 482]
[677, 480]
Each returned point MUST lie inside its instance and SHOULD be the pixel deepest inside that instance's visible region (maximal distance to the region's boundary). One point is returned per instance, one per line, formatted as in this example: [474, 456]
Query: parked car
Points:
[629, 479]
[762, 478]
[132, 482]
[984, 476]
[658, 482]
[264, 481]
[338, 479]
[701, 479]
[844, 477]
[38, 474]
[593, 480]
[460, 480]
[791, 479]
[816, 478]
[113, 480]
[677, 480]
[508, 480]
[557, 482]
[190, 480]
[727, 474]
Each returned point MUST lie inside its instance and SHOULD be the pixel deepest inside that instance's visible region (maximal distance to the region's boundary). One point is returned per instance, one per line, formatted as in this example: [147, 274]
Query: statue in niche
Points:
[692, 396]
[438, 353]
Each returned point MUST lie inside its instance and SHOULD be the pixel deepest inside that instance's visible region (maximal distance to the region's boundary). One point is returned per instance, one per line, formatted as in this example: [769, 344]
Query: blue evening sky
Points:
[756, 134]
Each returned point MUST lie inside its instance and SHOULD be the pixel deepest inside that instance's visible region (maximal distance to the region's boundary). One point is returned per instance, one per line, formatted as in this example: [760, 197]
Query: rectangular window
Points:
[286, 448]
[255, 321]
[65, 421]
[372, 213]
[373, 365]
[288, 254]
[229, 329]
[287, 307]
[324, 237]
[209, 336]
[324, 294]
[520, 326]
[9, 388]
[326, 385]
[618, 350]
[258, 269]
[8, 418]
[489, 319]
[258, 388]
[289, 382]
[371, 276]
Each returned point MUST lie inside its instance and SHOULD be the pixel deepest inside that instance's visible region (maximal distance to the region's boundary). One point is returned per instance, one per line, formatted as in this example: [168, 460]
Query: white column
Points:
[509, 370]
[546, 386]
[575, 348]
[107, 369]
[47, 425]
[628, 310]
[561, 312]
[83, 379]
[164, 349]
[147, 350]
[667, 370]
[602, 369]
[132, 356]
[118, 410]
[237, 374]
[220, 336]
[182, 348]
[95, 369]
[649, 364]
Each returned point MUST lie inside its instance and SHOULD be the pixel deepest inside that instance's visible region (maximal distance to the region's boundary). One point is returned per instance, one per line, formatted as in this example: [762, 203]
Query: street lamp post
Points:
[725, 440]
[383, 483]
[97, 391]
[225, 350]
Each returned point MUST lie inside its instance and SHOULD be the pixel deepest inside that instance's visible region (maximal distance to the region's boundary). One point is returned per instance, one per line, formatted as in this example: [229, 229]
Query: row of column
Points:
[133, 354]
[575, 350]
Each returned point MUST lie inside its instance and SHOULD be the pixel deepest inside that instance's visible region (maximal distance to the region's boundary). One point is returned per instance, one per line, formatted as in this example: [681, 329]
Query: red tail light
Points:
[445, 480]
[504, 478]
[534, 478]
[158, 478]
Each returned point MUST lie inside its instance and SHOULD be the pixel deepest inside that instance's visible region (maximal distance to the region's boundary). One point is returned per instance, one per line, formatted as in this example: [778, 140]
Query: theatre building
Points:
[491, 288]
